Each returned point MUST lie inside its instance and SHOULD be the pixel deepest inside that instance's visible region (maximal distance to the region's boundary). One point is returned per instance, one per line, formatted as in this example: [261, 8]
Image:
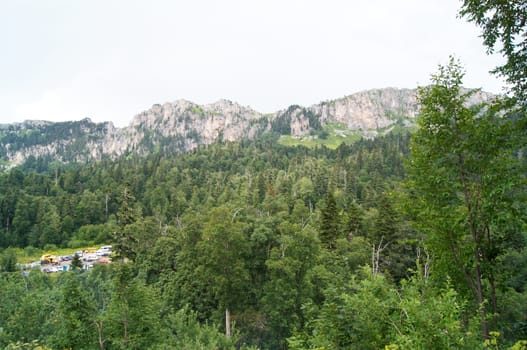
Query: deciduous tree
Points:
[504, 29]
[465, 180]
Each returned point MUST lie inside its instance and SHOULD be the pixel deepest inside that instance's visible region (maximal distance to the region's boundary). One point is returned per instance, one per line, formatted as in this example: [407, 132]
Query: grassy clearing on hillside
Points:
[336, 134]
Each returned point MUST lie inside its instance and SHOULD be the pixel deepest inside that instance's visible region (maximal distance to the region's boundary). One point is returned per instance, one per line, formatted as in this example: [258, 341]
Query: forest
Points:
[241, 218]
[405, 241]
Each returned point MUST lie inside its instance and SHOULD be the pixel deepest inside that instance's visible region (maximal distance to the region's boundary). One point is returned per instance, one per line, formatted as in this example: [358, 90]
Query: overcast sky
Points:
[109, 60]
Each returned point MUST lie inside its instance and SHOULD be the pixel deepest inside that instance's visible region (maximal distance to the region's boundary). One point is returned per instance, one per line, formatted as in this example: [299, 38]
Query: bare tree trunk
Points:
[106, 198]
[426, 264]
[376, 256]
[98, 323]
[227, 323]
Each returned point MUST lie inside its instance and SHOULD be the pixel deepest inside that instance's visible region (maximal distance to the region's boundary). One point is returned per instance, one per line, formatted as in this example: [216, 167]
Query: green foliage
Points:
[370, 313]
[429, 319]
[186, 332]
[223, 251]
[8, 261]
[124, 237]
[330, 225]
[396, 244]
[289, 287]
[281, 236]
[466, 185]
[132, 317]
[34, 345]
[26, 305]
[519, 345]
[92, 234]
[198, 110]
[355, 319]
[239, 226]
[76, 262]
[504, 28]
[72, 321]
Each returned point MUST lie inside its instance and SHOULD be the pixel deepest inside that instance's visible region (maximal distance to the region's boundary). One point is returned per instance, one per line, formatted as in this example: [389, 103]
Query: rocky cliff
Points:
[183, 125]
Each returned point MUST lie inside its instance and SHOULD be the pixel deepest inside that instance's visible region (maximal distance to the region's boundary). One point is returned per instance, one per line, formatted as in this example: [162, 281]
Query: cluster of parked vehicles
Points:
[89, 256]
[94, 254]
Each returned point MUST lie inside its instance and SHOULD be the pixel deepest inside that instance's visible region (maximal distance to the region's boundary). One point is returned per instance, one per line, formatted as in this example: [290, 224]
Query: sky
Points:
[109, 60]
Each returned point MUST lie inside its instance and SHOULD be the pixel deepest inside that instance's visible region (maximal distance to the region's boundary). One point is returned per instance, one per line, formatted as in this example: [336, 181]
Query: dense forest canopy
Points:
[281, 237]
[405, 241]
[232, 225]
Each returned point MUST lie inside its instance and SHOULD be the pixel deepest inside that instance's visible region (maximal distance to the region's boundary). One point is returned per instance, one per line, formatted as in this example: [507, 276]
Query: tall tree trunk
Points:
[492, 282]
[106, 198]
[481, 302]
[124, 305]
[227, 323]
[125, 325]
[494, 300]
[98, 323]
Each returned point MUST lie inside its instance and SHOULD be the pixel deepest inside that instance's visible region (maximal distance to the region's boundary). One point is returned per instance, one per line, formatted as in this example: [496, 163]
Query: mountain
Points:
[183, 125]
[75, 141]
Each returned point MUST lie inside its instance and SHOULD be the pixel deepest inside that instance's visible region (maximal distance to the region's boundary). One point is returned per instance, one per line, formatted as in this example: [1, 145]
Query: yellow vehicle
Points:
[49, 259]
[90, 250]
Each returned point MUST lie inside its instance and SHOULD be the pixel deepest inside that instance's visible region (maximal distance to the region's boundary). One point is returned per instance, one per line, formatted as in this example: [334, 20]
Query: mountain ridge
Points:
[183, 125]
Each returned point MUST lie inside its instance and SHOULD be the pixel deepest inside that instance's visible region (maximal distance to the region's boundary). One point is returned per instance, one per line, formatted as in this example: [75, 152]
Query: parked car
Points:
[90, 257]
[102, 252]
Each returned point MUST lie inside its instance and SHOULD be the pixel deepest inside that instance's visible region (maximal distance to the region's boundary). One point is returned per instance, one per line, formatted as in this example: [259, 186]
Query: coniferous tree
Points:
[8, 260]
[132, 318]
[76, 262]
[354, 220]
[397, 257]
[72, 322]
[127, 214]
[329, 222]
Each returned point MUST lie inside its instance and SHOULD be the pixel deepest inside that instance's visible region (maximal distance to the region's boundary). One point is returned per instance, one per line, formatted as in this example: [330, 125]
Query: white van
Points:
[90, 257]
[105, 250]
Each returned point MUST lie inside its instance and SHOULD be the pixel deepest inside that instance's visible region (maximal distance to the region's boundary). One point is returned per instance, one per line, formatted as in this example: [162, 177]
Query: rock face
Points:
[372, 109]
[183, 125]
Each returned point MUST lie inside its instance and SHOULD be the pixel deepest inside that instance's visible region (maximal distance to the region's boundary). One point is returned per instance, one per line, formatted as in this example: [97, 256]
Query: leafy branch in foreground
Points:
[466, 181]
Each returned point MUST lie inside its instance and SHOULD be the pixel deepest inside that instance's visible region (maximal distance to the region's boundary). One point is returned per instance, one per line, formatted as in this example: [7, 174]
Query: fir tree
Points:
[329, 222]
